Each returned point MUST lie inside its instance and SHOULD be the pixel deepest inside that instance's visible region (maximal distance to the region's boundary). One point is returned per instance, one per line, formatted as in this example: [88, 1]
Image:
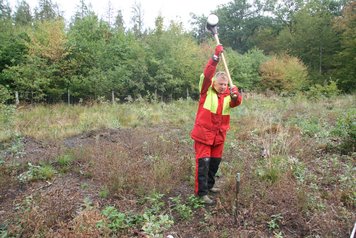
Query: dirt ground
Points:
[58, 206]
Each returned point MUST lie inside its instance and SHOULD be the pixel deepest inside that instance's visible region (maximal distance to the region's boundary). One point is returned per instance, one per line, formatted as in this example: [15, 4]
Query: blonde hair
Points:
[221, 74]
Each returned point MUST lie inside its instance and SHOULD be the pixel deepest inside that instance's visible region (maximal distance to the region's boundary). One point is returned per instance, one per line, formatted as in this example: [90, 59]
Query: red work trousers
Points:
[207, 158]
[208, 151]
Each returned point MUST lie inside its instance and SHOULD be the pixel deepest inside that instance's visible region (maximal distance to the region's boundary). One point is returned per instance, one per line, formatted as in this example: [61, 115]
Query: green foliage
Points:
[22, 15]
[156, 204]
[310, 126]
[47, 10]
[346, 58]
[323, 91]
[104, 192]
[17, 146]
[12, 48]
[5, 10]
[44, 172]
[273, 224]
[313, 127]
[271, 169]
[154, 225]
[285, 74]
[37, 172]
[153, 222]
[345, 128]
[266, 39]
[7, 117]
[65, 161]
[40, 73]
[3, 232]
[184, 211]
[239, 20]
[195, 202]
[299, 171]
[45, 62]
[116, 220]
[5, 94]
[245, 68]
[345, 125]
[30, 81]
[172, 65]
[311, 37]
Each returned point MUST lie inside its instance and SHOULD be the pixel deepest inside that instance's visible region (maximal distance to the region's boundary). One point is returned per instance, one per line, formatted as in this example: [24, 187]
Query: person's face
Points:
[220, 84]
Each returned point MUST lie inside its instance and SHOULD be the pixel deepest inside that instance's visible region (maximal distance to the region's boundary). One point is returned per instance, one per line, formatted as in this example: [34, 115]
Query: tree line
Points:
[280, 46]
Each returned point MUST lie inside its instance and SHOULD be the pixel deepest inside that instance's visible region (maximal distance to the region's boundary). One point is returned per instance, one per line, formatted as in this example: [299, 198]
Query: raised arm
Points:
[210, 69]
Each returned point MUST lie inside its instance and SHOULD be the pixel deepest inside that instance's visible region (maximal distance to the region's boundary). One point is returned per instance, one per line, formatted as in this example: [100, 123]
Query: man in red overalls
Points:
[211, 124]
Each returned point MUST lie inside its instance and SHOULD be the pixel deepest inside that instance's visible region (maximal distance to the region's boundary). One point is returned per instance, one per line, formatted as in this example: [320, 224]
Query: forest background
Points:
[276, 47]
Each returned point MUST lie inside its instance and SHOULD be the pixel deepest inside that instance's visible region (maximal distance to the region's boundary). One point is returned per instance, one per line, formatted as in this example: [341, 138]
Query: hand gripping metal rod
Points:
[225, 65]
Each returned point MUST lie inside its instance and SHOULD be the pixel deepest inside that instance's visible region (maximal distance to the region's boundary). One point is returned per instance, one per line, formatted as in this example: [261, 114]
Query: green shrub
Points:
[104, 192]
[5, 94]
[245, 67]
[37, 172]
[155, 202]
[323, 91]
[44, 173]
[273, 224]
[346, 129]
[283, 74]
[65, 160]
[115, 220]
[195, 202]
[154, 225]
[17, 146]
[7, 120]
[184, 211]
[271, 169]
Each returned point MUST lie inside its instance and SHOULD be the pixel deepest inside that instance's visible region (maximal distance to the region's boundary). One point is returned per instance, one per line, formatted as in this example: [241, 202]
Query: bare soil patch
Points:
[70, 204]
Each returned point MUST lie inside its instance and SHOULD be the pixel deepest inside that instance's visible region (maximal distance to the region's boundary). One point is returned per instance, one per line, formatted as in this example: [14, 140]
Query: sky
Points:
[177, 10]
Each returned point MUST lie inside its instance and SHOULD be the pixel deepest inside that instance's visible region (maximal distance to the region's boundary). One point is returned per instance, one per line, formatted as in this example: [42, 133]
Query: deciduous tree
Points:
[23, 14]
[47, 10]
[345, 64]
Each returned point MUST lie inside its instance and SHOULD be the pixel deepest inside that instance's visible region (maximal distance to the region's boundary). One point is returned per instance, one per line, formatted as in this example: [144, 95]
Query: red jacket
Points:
[213, 116]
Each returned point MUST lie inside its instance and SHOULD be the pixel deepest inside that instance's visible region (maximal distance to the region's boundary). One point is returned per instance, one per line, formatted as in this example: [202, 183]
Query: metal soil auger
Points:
[237, 191]
[211, 25]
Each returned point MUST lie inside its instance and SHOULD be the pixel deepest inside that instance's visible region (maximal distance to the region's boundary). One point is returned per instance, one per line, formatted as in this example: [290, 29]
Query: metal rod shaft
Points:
[237, 191]
[225, 65]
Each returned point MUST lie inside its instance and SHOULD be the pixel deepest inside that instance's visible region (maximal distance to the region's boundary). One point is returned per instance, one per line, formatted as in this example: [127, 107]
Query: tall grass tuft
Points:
[7, 122]
[61, 121]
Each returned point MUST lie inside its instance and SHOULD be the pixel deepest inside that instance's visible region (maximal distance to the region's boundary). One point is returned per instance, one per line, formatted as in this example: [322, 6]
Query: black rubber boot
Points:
[213, 169]
[203, 169]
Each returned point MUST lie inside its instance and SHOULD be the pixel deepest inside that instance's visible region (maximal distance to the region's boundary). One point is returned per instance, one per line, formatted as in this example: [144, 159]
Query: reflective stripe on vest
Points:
[211, 101]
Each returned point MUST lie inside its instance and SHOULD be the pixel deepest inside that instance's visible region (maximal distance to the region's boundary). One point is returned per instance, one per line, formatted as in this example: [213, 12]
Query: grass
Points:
[60, 121]
[138, 157]
[65, 161]
[37, 172]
